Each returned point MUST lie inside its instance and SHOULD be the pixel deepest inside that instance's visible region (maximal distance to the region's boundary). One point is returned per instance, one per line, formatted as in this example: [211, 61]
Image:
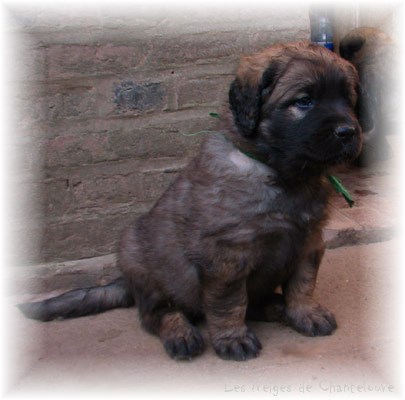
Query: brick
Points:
[176, 121]
[123, 167]
[29, 63]
[129, 96]
[111, 98]
[81, 196]
[89, 98]
[85, 214]
[71, 150]
[210, 47]
[99, 141]
[58, 199]
[71, 61]
[167, 140]
[84, 238]
[55, 128]
[101, 98]
[201, 48]
[75, 61]
[118, 59]
[70, 102]
[114, 103]
[82, 192]
[224, 69]
[211, 91]
[264, 38]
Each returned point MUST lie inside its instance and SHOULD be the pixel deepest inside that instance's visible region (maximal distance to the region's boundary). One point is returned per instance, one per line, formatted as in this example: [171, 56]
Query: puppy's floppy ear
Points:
[245, 96]
[350, 45]
[245, 105]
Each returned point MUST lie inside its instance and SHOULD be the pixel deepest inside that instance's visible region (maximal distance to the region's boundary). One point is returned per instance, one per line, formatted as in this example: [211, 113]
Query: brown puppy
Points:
[244, 218]
[372, 52]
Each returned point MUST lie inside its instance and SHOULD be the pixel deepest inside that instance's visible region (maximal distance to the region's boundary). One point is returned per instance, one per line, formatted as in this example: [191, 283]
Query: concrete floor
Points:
[110, 354]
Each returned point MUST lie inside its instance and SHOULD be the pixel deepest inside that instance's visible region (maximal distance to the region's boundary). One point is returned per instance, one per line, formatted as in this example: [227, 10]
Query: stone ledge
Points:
[59, 276]
[49, 277]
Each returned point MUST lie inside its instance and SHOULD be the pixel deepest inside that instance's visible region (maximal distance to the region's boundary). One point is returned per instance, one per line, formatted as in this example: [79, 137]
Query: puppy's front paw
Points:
[184, 344]
[311, 320]
[238, 345]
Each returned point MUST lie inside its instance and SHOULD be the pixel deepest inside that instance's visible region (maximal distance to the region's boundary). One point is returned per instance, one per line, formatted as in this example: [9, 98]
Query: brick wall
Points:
[105, 98]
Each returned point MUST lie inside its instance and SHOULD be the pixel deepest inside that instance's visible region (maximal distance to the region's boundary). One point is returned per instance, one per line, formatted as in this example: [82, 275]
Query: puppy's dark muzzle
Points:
[345, 132]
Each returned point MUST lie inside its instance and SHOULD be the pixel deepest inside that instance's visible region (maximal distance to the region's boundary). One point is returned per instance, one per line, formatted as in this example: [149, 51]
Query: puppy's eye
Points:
[304, 102]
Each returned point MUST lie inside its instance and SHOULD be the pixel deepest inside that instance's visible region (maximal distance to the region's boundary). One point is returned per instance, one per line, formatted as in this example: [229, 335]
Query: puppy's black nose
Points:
[345, 132]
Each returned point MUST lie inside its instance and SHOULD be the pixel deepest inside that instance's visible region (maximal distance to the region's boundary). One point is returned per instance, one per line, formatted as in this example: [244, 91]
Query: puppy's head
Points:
[296, 103]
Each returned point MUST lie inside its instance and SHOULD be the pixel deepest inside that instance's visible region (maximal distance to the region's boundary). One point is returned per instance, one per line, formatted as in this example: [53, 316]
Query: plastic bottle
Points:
[321, 28]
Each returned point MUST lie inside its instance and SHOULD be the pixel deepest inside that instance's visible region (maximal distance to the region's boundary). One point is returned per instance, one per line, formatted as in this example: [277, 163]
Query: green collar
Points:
[333, 180]
[339, 188]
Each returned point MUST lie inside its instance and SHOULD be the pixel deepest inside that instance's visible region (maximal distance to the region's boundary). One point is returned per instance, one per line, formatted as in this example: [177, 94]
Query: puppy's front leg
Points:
[302, 312]
[225, 308]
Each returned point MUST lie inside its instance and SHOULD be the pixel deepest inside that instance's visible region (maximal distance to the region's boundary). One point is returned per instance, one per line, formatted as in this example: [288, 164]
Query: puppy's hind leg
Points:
[180, 338]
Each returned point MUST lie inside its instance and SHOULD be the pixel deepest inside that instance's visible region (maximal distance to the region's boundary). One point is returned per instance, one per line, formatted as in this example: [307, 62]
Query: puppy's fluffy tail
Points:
[80, 302]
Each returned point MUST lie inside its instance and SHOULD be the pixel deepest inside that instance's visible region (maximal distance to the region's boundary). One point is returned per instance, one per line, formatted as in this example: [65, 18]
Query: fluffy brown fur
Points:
[245, 216]
[372, 52]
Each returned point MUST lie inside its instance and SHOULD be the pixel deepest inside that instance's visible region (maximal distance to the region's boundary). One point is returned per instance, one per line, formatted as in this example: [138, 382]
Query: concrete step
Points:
[111, 354]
